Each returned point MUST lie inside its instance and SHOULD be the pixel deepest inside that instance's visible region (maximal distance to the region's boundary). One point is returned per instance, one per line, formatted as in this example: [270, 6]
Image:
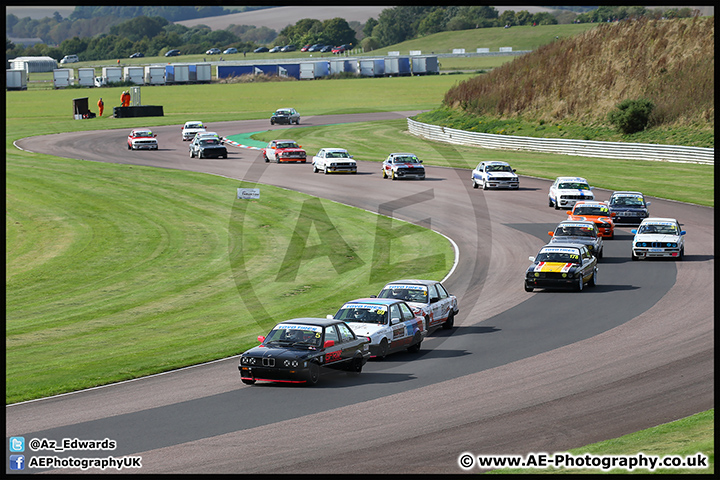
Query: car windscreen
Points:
[558, 257]
[363, 313]
[574, 186]
[337, 155]
[407, 159]
[210, 141]
[661, 229]
[409, 293]
[287, 145]
[627, 201]
[143, 134]
[574, 231]
[499, 168]
[295, 335]
[590, 210]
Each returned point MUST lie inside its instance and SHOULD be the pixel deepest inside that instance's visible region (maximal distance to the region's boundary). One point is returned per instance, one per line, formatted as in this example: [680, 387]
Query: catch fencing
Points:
[584, 148]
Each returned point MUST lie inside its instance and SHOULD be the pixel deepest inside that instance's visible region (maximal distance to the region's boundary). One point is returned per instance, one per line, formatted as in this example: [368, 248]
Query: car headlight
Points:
[248, 360]
[290, 363]
[672, 245]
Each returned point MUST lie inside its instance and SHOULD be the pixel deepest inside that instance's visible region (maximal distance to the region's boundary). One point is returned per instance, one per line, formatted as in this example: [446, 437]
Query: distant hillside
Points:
[670, 62]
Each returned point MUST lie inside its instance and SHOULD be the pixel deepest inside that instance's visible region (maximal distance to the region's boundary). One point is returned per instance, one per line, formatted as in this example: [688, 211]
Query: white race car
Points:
[427, 298]
[142, 139]
[190, 129]
[330, 160]
[389, 324]
[658, 237]
[495, 174]
[565, 191]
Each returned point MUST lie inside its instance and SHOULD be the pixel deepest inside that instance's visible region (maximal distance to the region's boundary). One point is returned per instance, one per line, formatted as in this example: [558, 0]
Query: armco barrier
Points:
[584, 148]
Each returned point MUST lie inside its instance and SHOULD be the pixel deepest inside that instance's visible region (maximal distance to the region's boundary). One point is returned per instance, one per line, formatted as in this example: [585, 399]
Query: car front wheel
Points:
[313, 374]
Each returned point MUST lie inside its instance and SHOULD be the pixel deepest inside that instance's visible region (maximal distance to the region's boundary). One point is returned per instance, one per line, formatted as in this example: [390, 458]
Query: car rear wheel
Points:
[417, 342]
[449, 322]
[355, 367]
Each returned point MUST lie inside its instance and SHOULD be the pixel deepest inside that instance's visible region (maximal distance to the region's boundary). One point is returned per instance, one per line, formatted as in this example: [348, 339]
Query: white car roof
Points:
[496, 162]
[571, 179]
[334, 149]
[187, 124]
[659, 220]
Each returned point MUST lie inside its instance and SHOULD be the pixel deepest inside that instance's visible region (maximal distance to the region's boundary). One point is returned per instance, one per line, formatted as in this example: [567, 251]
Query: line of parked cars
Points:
[399, 318]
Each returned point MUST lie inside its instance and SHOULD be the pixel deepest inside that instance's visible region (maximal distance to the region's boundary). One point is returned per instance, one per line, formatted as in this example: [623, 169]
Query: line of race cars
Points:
[570, 259]
[398, 318]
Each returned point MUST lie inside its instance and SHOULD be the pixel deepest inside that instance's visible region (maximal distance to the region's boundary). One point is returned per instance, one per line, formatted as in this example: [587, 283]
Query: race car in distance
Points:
[207, 147]
[284, 151]
[334, 160]
[298, 350]
[426, 298]
[389, 324]
[584, 232]
[142, 139]
[658, 237]
[285, 115]
[191, 128]
[628, 207]
[403, 165]
[597, 212]
[562, 266]
[565, 191]
[493, 174]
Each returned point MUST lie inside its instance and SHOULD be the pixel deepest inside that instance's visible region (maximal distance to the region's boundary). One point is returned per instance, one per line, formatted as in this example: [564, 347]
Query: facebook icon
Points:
[17, 462]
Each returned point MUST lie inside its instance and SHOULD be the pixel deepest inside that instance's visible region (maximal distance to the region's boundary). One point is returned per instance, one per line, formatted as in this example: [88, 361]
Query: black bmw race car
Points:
[285, 115]
[298, 350]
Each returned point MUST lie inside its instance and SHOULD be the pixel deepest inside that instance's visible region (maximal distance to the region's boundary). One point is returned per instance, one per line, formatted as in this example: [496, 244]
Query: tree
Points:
[338, 32]
[368, 28]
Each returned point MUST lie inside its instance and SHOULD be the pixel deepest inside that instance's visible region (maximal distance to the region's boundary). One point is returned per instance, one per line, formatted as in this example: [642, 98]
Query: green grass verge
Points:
[684, 438]
[138, 270]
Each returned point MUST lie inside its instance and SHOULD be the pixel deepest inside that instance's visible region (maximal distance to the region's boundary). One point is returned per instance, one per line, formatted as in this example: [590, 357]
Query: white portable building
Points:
[135, 75]
[34, 64]
[86, 77]
[63, 77]
[155, 74]
[16, 80]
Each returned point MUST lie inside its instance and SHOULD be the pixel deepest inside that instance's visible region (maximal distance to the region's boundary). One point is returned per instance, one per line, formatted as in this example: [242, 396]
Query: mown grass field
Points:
[114, 272]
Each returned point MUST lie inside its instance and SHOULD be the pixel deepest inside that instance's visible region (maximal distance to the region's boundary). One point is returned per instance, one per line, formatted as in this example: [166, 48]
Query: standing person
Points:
[101, 106]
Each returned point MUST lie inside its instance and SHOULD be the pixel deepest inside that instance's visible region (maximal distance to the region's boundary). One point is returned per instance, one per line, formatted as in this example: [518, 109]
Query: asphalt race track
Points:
[520, 372]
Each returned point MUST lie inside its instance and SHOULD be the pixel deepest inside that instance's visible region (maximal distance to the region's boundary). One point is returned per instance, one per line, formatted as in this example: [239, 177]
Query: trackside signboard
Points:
[248, 193]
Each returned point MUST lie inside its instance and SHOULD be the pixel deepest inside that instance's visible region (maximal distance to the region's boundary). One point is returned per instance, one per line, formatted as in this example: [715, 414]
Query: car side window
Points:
[395, 312]
[331, 334]
[442, 293]
[406, 312]
[345, 333]
[432, 293]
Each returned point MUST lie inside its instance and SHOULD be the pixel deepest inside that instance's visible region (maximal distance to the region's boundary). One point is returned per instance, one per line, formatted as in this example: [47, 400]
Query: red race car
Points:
[284, 151]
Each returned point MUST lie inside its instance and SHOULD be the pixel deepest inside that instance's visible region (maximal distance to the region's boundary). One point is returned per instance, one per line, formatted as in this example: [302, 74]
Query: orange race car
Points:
[597, 212]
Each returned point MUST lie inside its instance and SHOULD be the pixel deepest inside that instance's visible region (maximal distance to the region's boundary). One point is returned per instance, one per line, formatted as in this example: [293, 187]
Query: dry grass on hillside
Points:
[670, 62]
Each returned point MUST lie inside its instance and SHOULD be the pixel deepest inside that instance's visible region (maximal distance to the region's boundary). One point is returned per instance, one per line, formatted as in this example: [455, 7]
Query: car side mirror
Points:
[514, 170]
[351, 156]
[373, 296]
[299, 146]
[648, 203]
[394, 321]
[532, 259]
[329, 317]
[569, 212]
[329, 343]
[683, 232]
[633, 230]
[613, 214]
[550, 233]
[261, 338]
